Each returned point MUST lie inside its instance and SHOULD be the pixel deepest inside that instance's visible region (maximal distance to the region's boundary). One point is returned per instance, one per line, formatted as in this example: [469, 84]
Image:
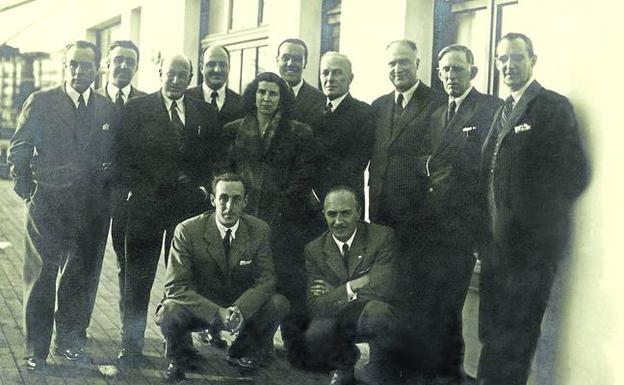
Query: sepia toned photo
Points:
[309, 192]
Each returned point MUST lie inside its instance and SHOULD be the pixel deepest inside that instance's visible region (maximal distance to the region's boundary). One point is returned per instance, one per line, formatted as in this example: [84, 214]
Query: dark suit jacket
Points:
[539, 169]
[52, 148]
[309, 104]
[198, 276]
[345, 139]
[232, 107]
[454, 204]
[149, 155]
[279, 175]
[396, 190]
[373, 252]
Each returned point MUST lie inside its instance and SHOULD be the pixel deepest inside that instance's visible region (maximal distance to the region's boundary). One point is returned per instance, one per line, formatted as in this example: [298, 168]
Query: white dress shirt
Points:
[335, 103]
[350, 293]
[220, 97]
[179, 107]
[111, 91]
[297, 88]
[407, 95]
[74, 95]
[223, 229]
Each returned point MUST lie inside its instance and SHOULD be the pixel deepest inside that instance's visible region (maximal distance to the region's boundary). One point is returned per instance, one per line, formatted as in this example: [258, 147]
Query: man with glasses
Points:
[166, 152]
[61, 165]
[535, 167]
[452, 209]
[292, 58]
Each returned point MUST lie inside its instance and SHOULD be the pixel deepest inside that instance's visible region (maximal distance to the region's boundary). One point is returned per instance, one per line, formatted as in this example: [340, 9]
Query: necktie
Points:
[451, 111]
[213, 99]
[345, 256]
[226, 247]
[328, 108]
[82, 110]
[119, 101]
[507, 108]
[398, 111]
[175, 118]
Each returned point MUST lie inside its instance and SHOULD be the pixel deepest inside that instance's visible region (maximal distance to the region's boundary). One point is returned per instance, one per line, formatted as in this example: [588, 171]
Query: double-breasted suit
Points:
[339, 322]
[61, 163]
[232, 108]
[534, 168]
[345, 139]
[453, 212]
[119, 196]
[201, 278]
[163, 168]
[309, 104]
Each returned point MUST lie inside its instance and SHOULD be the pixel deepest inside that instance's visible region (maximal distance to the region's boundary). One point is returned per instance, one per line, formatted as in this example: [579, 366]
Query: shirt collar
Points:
[168, 102]
[336, 102]
[517, 95]
[348, 242]
[458, 100]
[407, 95]
[297, 88]
[112, 90]
[74, 95]
[223, 229]
[207, 91]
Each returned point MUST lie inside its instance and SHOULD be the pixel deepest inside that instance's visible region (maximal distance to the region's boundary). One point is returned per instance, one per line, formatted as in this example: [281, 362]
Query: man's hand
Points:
[359, 283]
[235, 319]
[320, 287]
[223, 315]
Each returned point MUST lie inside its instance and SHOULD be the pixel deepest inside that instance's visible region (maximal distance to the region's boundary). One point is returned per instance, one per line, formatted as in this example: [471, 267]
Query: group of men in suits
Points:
[451, 176]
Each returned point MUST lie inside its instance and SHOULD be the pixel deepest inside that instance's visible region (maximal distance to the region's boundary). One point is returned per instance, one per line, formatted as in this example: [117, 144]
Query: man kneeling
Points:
[220, 275]
[351, 271]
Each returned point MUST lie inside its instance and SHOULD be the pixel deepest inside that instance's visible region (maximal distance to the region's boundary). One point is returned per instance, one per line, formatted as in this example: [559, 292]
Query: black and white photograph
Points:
[303, 192]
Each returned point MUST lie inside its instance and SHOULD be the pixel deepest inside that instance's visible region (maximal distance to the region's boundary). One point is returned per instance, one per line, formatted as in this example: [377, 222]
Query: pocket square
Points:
[522, 128]
[105, 127]
[245, 262]
[468, 130]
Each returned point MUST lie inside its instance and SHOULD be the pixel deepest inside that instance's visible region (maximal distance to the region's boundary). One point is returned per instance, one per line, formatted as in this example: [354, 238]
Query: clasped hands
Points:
[231, 318]
[320, 287]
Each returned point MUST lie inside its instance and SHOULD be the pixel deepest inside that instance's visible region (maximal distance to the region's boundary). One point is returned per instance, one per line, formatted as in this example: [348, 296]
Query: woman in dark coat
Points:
[277, 158]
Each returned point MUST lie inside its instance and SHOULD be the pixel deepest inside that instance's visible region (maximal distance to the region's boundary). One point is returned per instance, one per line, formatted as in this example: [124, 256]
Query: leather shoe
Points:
[342, 377]
[36, 364]
[71, 354]
[243, 362]
[174, 373]
[128, 359]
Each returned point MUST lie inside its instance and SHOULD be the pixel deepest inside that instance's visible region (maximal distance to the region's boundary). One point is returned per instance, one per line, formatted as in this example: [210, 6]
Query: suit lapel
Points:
[214, 243]
[334, 258]
[386, 120]
[465, 112]
[239, 245]
[191, 119]
[520, 107]
[358, 250]
[414, 108]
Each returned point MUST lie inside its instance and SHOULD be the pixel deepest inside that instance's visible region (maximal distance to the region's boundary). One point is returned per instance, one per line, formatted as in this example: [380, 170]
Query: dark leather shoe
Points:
[128, 359]
[342, 377]
[243, 362]
[71, 354]
[174, 373]
[36, 364]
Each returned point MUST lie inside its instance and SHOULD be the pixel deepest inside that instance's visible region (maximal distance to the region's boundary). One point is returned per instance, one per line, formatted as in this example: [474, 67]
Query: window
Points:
[330, 26]
[104, 34]
[477, 24]
[246, 37]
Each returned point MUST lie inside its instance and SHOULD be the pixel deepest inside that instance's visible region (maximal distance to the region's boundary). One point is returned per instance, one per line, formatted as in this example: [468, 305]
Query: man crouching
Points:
[220, 274]
[351, 271]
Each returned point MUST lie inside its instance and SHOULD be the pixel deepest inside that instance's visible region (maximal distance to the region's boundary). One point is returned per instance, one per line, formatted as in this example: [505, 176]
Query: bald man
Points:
[215, 68]
[166, 152]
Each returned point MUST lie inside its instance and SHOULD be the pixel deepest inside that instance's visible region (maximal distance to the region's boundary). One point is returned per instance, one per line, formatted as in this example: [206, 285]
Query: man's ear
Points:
[212, 201]
[245, 201]
[473, 72]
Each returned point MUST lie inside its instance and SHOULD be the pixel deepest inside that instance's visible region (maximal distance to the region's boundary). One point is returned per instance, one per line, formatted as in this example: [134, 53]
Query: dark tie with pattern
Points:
[507, 108]
[451, 111]
[328, 108]
[175, 118]
[214, 95]
[82, 106]
[345, 256]
[398, 111]
[226, 246]
[119, 101]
